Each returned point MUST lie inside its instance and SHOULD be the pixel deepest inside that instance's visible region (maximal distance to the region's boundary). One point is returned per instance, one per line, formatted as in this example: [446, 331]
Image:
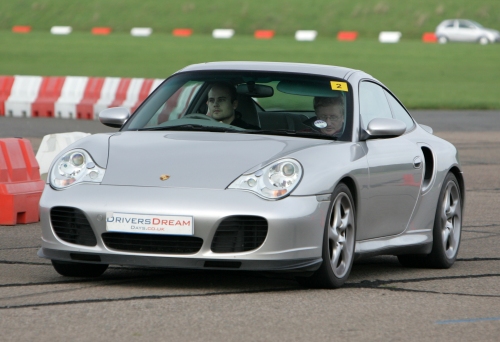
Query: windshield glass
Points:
[249, 102]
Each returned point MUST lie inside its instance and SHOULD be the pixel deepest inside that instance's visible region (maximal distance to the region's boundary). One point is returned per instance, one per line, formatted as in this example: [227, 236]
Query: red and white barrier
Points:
[71, 94]
[92, 93]
[389, 36]
[23, 94]
[347, 36]
[223, 33]
[61, 30]
[20, 183]
[6, 83]
[21, 29]
[132, 94]
[71, 97]
[182, 32]
[108, 93]
[141, 31]
[263, 34]
[101, 31]
[49, 92]
[306, 35]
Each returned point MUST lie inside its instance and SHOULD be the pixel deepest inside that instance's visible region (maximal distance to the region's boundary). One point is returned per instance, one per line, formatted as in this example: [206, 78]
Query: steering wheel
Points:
[199, 116]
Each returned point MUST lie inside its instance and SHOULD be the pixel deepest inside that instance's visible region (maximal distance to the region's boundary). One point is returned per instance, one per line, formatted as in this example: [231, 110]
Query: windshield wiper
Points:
[189, 127]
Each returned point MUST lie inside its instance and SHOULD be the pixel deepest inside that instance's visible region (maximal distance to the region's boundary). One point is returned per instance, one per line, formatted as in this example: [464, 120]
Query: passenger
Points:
[329, 117]
[222, 103]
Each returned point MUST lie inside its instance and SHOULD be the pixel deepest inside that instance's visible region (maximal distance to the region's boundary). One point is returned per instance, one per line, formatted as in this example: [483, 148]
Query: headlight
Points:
[273, 181]
[76, 166]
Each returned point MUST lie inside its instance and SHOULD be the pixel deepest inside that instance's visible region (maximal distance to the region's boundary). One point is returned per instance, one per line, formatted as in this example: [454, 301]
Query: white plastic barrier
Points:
[305, 35]
[24, 92]
[71, 94]
[108, 93]
[141, 31]
[133, 93]
[389, 36]
[60, 29]
[223, 33]
[51, 145]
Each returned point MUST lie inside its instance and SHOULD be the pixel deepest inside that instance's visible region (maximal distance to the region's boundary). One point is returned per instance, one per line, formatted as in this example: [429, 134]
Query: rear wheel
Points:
[339, 241]
[447, 225]
[78, 269]
[446, 232]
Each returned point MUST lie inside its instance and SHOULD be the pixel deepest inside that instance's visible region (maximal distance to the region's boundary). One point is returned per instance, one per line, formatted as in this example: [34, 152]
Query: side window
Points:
[399, 112]
[451, 24]
[465, 25]
[372, 103]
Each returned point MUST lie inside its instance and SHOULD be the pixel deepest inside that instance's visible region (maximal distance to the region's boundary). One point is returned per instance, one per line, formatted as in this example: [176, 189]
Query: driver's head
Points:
[331, 111]
[222, 101]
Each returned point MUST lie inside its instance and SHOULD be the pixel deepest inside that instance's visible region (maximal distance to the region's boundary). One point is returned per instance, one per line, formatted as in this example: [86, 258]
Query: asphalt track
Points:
[382, 301]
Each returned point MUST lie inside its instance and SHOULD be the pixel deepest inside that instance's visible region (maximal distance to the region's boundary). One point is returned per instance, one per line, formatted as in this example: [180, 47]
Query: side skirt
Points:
[413, 242]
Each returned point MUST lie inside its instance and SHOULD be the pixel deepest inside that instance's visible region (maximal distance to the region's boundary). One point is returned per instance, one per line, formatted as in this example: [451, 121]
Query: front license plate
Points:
[149, 224]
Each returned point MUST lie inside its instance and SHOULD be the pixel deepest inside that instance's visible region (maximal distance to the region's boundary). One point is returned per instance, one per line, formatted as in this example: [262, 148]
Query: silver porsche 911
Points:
[256, 166]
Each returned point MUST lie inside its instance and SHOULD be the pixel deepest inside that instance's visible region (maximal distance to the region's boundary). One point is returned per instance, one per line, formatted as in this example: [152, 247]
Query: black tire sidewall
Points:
[326, 270]
[438, 257]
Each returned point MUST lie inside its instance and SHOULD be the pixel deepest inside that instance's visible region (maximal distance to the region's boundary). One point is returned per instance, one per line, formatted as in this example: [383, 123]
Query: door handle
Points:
[417, 162]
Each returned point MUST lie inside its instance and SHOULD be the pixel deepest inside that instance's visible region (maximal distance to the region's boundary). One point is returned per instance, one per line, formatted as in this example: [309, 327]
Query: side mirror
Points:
[383, 128]
[114, 117]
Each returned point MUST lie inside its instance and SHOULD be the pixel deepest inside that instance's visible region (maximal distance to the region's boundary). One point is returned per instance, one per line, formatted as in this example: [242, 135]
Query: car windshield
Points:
[246, 102]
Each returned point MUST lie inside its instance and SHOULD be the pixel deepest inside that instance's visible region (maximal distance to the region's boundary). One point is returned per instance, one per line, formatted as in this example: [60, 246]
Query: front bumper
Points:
[293, 242]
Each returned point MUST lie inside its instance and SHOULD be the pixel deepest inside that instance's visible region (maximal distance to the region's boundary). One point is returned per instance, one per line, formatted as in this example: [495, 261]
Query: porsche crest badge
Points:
[164, 177]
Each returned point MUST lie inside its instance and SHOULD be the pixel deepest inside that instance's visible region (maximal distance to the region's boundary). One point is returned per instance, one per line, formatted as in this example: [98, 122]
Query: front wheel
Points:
[339, 241]
[447, 225]
[442, 40]
[78, 269]
[483, 41]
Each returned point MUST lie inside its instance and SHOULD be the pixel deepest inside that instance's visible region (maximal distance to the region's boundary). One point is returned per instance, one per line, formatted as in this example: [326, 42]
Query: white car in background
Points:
[461, 30]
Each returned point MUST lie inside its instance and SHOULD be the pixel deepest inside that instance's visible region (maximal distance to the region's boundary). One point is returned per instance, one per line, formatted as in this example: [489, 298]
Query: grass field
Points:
[368, 17]
[454, 76]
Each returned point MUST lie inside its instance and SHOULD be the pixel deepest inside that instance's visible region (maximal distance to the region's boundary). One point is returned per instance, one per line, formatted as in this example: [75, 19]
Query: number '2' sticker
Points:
[342, 86]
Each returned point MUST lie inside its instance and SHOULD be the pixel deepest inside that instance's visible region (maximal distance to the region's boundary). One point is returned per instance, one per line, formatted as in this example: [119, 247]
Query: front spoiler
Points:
[294, 265]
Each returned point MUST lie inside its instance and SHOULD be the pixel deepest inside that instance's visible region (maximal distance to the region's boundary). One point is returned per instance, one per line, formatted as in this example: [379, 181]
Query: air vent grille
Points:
[239, 234]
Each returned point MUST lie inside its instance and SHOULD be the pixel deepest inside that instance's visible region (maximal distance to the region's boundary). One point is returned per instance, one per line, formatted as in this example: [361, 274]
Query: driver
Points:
[329, 117]
[222, 102]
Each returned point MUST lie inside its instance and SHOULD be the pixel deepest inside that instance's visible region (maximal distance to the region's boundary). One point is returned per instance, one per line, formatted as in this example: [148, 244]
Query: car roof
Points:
[301, 68]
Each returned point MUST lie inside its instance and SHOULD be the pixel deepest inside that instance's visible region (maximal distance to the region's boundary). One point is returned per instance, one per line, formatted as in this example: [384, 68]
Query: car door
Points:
[395, 171]
[449, 30]
[467, 31]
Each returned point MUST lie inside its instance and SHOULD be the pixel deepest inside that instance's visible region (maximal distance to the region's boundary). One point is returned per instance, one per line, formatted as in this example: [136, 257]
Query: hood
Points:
[193, 159]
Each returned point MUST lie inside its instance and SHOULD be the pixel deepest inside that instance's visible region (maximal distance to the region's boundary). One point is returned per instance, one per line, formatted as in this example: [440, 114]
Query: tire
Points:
[442, 40]
[483, 41]
[78, 269]
[446, 231]
[339, 242]
[447, 225]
